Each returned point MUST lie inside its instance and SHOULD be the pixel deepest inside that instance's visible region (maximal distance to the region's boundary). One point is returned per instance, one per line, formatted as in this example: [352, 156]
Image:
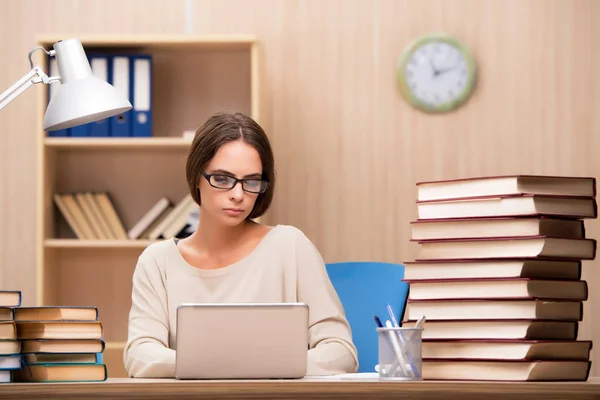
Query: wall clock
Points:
[436, 73]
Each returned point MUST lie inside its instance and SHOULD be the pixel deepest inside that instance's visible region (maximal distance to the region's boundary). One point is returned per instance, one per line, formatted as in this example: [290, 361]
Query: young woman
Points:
[230, 258]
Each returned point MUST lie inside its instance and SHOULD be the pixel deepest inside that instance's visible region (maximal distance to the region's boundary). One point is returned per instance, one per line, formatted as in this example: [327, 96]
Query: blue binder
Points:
[141, 78]
[120, 125]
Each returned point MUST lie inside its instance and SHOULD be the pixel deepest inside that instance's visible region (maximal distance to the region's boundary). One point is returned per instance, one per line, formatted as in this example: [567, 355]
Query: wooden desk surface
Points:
[302, 389]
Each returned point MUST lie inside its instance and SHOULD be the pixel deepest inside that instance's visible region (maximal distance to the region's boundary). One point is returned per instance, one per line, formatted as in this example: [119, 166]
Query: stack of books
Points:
[498, 277]
[59, 344]
[10, 347]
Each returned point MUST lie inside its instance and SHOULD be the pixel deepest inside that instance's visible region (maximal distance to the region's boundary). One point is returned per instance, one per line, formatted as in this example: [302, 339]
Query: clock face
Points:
[436, 74]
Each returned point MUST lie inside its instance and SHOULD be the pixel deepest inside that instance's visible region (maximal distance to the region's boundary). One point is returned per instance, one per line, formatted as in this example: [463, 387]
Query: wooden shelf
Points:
[86, 244]
[158, 41]
[117, 143]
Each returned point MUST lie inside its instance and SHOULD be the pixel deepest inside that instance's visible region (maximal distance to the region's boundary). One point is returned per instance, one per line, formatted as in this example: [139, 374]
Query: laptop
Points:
[241, 341]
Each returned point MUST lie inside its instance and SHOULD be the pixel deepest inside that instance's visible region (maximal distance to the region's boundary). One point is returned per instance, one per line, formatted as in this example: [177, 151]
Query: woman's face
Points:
[235, 159]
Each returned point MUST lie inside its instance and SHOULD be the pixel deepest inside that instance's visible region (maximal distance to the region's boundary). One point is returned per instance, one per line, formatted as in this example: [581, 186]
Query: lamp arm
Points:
[35, 75]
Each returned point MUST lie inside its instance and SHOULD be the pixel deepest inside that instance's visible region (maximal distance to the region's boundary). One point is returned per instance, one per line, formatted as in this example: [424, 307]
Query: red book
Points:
[507, 185]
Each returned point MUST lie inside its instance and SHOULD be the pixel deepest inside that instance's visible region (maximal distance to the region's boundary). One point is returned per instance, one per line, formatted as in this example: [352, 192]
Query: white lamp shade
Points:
[81, 97]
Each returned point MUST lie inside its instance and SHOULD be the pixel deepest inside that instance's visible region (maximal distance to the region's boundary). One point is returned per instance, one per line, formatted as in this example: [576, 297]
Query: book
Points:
[62, 372]
[8, 330]
[6, 314]
[507, 185]
[61, 358]
[508, 206]
[55, 313]
[496, 227]
[10, 361]
[506, 370]
[498, 329]
[474, 309]
[492, 288]
[160, 207]
[502, 248]
[66, 345]
[10, 298]
[473, 269]
[59, 330]
[507, 349]
[10, 346]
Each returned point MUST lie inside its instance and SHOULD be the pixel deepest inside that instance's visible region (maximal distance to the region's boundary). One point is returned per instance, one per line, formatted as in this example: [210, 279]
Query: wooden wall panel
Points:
[349, 150]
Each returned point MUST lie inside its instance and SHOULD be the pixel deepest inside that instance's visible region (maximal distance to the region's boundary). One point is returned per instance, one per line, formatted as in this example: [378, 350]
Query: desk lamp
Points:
[81, 98]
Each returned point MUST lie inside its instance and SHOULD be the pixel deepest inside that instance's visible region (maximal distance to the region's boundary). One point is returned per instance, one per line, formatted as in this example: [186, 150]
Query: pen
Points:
[377, 321]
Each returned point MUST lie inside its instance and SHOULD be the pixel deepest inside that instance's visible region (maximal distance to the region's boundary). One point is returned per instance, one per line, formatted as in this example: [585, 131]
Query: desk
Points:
[302, 389]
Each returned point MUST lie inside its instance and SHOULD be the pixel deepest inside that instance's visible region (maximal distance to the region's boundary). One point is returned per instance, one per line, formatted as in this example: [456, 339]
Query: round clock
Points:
[436, 73]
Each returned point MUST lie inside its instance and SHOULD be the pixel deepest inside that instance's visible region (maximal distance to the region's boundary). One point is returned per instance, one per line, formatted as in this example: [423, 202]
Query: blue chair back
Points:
[365, 288]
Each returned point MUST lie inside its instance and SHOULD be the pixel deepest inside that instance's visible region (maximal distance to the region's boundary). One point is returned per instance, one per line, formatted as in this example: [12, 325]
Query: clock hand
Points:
[435, 71]
[445, 70]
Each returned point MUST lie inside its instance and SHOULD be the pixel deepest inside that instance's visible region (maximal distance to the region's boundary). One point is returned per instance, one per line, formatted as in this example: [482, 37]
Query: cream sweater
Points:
[284, 267]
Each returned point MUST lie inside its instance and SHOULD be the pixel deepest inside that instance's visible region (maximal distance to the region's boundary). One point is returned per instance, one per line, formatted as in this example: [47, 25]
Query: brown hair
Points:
[221, 128]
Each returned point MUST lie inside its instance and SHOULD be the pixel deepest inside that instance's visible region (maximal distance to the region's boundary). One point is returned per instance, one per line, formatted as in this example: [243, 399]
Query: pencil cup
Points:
[400, 353]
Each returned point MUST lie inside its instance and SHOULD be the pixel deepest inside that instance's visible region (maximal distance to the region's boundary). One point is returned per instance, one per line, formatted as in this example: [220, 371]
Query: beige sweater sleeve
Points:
[331, 348]
[147, 353]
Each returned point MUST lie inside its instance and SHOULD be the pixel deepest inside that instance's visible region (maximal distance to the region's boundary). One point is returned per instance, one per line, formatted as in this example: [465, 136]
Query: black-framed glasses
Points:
[227, 182]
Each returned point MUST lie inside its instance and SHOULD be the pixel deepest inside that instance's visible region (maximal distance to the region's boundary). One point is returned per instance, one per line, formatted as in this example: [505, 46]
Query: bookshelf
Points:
[192, 77]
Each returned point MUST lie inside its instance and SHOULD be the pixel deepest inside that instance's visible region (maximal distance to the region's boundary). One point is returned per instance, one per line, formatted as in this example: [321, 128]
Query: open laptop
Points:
[241, 341]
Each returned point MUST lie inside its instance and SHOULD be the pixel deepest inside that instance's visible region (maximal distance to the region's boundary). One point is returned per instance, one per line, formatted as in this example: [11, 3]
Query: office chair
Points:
[364, 289]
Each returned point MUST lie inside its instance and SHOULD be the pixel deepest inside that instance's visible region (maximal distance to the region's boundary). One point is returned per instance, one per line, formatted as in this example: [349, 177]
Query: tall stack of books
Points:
[10, 347]
[60, 344]
[498, 277]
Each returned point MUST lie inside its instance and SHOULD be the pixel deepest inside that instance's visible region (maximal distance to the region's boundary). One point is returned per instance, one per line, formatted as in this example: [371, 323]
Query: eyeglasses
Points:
[227, 182]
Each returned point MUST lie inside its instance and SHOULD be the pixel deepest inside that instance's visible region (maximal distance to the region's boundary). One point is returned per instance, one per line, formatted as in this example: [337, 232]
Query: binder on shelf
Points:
[52, 89]
[100, 64]
[120, 125]
[141, 78]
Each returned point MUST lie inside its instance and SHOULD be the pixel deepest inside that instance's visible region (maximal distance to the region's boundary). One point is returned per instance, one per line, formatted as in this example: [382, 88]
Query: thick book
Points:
[10, 298]
[7, 313]
[8, 330]
[59, 330]
[433, 229]
[10, 362]
[503, 248]
[507, 185]
[63, 346]
[61, 358]
[508, 206]
[506, 370]
[56, 313]
[498, 329]
[507, 349]
[481, 309]
[10, 346]
[61, 372]
[473, 269]
[493, 288]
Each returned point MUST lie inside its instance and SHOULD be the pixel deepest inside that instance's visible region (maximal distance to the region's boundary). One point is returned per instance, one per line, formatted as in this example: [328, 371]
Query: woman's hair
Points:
[222, 128]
